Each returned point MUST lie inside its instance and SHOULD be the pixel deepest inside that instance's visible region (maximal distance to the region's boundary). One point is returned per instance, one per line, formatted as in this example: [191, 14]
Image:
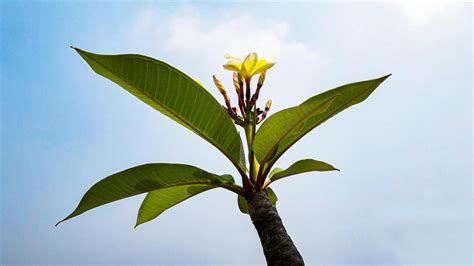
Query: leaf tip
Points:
[78, 50]
[65, 219]
[56, 225]
[137, 223]
[75, 48]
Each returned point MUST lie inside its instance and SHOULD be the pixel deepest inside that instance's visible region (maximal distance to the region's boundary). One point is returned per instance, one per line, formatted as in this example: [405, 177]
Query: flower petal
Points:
[262, 65]
[232, 67]
[248, 65]
[234, 63]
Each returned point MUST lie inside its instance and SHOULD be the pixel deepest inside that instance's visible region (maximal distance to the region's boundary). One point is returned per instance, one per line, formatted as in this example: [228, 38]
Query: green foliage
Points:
[283, 129]
[244, 207]
[185, 101]
[287, 124]
[302, 166]
[274, 171]
[146, 178]
[158, 201]
[174, 94]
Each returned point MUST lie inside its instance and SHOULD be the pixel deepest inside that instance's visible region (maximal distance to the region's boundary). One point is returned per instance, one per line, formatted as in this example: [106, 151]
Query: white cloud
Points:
[199, 44]
[419, 13]
[239, 35]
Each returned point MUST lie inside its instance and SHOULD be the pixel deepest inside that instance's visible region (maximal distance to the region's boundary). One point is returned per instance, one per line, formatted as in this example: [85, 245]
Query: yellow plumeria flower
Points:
[251, 65]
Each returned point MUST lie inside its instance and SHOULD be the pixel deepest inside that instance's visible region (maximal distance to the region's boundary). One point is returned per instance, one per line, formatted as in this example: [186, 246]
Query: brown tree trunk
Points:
[277, 245]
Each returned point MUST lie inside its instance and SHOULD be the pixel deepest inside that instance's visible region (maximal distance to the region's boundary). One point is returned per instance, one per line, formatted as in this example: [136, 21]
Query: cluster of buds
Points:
[265, 111]
[243, 73]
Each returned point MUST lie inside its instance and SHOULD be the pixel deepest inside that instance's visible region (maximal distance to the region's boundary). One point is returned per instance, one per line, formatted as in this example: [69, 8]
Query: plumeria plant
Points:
[187, 102]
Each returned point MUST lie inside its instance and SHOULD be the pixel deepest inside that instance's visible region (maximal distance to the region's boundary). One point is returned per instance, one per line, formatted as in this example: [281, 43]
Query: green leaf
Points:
[146, 178]
[270, 142]
[244, 207]
[174, 94]
[158, 201]
[274, 171]
[303, 166]
[284, 126]
[271, 195]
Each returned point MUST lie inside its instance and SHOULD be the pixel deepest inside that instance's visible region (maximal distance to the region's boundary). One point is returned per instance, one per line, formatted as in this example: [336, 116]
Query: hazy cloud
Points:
[201, 42]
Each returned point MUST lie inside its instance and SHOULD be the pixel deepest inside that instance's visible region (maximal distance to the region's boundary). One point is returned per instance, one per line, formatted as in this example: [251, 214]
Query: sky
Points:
[404, 192]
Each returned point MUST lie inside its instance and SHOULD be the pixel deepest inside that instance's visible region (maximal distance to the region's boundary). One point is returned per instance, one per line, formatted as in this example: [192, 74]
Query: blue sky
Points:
[404, 193]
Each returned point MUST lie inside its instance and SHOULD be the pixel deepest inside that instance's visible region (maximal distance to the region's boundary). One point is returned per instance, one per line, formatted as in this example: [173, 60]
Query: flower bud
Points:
[268, 105]
[240, 78]
[235, 79]
[219, 85]
[265, 112]
[221, 89]
[261, 79]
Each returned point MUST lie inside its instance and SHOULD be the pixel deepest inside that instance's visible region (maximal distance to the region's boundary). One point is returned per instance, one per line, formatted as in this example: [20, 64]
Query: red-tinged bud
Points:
[219, 85]
[261, 80]
[265, 112]
[237, 85]
[222, 90]
[240, 79]
[268, 105]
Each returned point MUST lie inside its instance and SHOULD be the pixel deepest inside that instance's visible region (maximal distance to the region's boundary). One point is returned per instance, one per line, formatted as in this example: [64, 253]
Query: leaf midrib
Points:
[237, 165]
[335, 111]
[288, 132]
[231, 187]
